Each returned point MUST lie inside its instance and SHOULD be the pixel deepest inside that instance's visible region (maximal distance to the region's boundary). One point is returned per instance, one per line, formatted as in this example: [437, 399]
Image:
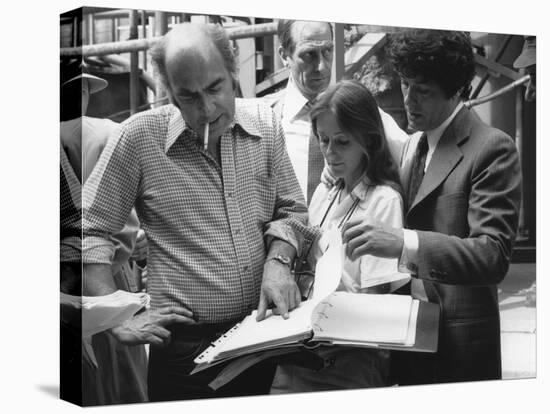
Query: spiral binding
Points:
[205, 356]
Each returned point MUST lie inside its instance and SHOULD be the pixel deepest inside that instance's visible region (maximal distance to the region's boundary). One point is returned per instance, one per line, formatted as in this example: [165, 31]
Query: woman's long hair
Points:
[358, 117]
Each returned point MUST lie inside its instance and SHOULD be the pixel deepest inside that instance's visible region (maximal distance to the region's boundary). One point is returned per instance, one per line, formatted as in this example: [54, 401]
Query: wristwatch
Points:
[281, 258]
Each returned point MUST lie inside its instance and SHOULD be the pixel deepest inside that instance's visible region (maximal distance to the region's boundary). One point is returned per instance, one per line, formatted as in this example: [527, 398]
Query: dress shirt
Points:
[410, 238]
[376, 203]
[206, 224]
[297, 127]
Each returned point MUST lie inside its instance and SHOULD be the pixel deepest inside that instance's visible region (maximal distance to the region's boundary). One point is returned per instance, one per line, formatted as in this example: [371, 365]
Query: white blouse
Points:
[377, 204]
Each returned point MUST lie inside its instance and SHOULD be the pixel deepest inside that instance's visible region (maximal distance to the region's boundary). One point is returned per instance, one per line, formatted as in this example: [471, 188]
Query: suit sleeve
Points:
[483, 256]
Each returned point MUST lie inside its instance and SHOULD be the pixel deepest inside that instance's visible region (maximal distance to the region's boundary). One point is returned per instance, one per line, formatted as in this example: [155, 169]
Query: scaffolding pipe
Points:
[120, 14]
[134, 64]
[125, 63]
[144, 19]
[497, 93]
[523, 233]
[160, 28]
[487, 75]
[137, 45]
[91, 29]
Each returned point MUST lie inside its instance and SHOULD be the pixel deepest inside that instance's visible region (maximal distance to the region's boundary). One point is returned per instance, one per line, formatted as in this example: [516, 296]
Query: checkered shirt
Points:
[207, 225]
[70, 212]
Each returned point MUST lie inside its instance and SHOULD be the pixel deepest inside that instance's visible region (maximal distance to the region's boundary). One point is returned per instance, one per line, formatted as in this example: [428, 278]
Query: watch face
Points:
[281, 259]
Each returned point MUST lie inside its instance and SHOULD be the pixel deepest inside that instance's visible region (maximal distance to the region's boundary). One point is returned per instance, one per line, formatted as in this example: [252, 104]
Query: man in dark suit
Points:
[462, 183]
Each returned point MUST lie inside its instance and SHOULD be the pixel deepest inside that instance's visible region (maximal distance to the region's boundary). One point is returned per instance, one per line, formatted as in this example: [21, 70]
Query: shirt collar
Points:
[294, 101]
[435, 134]
[177, 125]
[359, 191]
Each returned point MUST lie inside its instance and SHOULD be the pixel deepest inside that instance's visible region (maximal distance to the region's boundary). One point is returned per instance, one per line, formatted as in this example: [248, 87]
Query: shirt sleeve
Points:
[387, 211]
[408, 259]
[108, 197]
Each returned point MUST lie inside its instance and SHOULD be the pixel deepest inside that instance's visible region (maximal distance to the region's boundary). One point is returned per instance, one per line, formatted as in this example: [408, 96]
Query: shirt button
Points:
[245, 268]
[230, 195]
[238, 231]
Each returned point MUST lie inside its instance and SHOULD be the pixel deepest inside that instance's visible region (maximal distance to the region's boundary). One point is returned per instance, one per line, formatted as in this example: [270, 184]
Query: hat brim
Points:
[95, 84]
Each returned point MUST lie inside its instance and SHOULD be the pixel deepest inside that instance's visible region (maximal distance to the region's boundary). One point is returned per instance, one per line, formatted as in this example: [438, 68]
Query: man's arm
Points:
[147, 327]
[481, 258]
[107, 203]
[278, 285]
[285, 235]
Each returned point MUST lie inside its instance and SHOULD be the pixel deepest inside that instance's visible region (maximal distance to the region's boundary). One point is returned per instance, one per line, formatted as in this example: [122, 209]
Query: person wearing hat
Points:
[527, 60]
[115, 373]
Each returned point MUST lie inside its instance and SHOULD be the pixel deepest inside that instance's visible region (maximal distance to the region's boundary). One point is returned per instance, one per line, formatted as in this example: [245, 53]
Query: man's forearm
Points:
[97, 280]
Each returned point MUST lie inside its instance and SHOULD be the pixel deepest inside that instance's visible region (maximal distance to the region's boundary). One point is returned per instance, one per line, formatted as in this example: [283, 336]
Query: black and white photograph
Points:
[261, 210]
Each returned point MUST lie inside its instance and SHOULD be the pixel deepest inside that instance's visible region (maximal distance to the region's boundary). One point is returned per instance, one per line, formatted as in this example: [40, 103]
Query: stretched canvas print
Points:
[258, 206]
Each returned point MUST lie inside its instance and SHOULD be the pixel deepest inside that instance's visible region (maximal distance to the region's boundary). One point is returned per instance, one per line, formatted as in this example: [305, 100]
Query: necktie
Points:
[417, 171]
[315, 162]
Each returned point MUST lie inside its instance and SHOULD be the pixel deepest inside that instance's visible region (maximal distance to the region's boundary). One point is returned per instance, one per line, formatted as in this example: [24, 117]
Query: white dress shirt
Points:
[297, 126]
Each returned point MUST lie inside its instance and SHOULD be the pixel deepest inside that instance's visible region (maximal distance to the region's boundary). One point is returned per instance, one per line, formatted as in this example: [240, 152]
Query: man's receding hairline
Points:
[190, 41]
[304, 23]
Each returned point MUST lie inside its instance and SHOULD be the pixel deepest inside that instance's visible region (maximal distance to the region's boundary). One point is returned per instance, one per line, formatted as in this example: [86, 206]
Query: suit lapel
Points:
[446, 156]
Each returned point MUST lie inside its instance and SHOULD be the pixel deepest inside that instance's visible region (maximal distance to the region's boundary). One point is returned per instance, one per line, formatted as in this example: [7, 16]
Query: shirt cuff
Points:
[97, 250]
[279, 230]
[70, 250]
[408, 259]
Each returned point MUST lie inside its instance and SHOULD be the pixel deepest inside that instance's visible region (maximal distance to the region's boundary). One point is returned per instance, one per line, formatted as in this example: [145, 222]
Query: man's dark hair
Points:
[444, 57]
[284, 32]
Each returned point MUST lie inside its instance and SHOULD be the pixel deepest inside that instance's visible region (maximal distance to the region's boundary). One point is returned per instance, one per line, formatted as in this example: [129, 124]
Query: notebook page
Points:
[360, 317]
[328, 270]
[273, 329]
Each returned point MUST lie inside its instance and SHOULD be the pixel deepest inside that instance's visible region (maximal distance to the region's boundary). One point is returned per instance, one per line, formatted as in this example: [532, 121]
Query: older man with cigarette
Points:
[218, 199]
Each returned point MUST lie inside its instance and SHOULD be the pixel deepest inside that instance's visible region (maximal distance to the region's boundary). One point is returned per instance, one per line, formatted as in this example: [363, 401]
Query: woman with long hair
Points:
[347, 122]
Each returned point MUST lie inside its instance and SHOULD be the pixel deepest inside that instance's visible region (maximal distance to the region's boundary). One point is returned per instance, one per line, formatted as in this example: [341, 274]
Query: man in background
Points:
[307, 50]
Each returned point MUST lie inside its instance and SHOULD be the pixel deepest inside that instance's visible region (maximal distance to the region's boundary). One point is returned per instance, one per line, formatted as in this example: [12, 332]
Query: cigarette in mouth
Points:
[206, 136]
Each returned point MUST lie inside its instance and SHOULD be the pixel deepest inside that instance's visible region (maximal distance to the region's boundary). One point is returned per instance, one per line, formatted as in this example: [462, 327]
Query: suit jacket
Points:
[466, 215]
